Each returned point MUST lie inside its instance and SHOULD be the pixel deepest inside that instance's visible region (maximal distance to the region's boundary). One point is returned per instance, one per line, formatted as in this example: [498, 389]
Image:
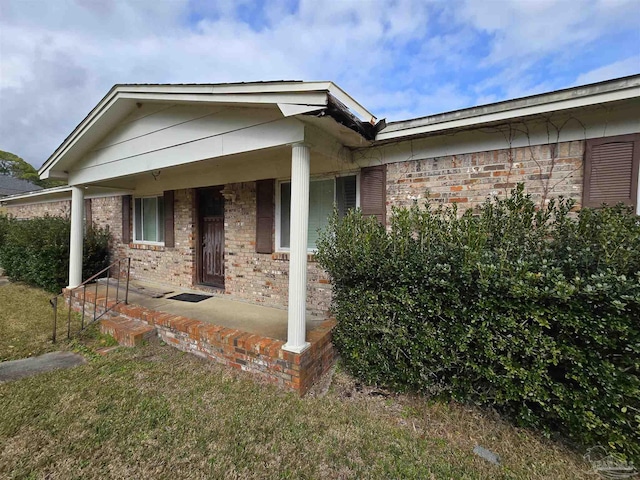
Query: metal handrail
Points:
[83, 286]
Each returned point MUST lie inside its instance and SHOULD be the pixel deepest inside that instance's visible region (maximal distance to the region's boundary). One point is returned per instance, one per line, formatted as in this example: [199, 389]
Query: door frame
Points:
[198, 244]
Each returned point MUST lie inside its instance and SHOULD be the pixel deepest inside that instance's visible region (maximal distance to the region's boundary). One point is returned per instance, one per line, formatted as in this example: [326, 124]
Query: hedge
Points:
[533, 312]
[36, 251]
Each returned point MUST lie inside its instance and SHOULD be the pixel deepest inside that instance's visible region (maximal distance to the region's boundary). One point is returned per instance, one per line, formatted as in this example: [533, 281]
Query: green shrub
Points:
[95, 251]
[36, 251]
[534, 312]
[4, 227]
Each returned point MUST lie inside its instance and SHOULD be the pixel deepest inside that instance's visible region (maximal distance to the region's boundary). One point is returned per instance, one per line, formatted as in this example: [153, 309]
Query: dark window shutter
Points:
[169, 231]
[611, 170]
[87, 213]
[126, 218]
[265, 215]
[373, 198]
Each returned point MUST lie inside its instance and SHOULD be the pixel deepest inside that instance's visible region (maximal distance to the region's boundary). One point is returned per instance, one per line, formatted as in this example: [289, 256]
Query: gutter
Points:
[62, 193]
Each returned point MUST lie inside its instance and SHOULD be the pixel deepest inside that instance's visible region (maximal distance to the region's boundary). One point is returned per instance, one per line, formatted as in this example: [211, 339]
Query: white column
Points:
[298, 249]
[75, 241]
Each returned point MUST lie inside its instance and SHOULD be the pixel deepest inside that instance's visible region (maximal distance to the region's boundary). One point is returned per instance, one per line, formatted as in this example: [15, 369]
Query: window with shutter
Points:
[149, 220]
[324, 193]
[611, 170]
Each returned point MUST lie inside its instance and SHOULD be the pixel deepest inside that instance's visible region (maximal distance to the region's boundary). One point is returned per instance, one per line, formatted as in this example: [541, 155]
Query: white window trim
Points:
[133, 216]
[279, 182]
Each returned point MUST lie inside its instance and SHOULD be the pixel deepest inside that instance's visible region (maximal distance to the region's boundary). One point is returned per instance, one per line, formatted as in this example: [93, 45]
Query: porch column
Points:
[75, 241]
[298, 249]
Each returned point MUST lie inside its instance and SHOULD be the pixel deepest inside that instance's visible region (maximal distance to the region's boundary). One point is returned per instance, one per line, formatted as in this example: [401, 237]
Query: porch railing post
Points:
[126, 295]
[118, 280]
[106, 297]
[54, 304]
[84, 301]
[69, 316]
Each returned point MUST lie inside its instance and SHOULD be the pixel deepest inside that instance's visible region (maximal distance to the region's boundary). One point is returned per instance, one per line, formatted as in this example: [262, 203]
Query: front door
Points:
[211, 223]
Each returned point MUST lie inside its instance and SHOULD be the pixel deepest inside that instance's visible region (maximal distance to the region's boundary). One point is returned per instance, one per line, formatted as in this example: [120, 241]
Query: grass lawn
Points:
[155, 412]
[26, 322]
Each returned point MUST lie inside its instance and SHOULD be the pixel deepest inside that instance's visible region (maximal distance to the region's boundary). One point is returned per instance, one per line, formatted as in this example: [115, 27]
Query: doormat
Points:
[190, 297]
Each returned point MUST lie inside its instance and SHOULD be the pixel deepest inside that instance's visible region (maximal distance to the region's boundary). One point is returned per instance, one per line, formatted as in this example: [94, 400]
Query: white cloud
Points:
[58, 58]
[622, 68]
[534, 28]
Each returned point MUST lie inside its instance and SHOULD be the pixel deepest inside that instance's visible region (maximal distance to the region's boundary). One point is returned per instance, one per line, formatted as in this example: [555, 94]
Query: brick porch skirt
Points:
[260, 356]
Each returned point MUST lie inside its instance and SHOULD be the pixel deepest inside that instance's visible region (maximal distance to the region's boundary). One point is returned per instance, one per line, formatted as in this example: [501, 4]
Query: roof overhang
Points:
[561, 100]
[291, 98]
[62, 193]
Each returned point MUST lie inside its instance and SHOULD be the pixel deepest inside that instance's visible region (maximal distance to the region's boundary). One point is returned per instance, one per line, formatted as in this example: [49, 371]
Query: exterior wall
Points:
[106, 212]
[152, 262]
[469, 179]
[55, 209]
[466, 179]
[250, 276]
[263, 278]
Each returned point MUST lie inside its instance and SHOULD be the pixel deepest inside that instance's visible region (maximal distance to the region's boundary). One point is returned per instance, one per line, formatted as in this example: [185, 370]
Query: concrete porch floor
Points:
[218, 310]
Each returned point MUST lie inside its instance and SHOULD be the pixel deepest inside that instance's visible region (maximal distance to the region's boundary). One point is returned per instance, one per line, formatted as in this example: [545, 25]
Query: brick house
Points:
[223, 187]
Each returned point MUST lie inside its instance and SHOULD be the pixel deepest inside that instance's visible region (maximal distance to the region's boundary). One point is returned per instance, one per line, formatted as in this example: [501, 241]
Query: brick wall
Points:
[469, 179]
[55, 209]
[257, 278]
[263, 278]
[106, 212]
[173, 265]
[260, 356]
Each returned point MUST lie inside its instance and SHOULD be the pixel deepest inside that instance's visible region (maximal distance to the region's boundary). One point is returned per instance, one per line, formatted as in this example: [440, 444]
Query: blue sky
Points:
[400, 58]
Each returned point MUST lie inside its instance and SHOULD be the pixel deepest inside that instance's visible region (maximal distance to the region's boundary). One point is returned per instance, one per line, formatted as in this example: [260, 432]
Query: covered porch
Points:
[243, 336]
[220, 180]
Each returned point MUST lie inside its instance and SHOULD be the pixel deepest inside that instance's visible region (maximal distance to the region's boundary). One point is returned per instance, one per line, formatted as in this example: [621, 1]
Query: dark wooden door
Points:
[213, 251]
[211, 222]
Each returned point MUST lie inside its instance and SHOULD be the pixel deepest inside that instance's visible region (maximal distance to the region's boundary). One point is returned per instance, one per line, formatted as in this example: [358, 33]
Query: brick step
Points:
[126, 331]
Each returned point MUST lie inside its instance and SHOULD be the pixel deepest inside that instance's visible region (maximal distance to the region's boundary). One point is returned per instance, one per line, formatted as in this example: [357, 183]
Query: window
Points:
[323, 195]
[148, 219]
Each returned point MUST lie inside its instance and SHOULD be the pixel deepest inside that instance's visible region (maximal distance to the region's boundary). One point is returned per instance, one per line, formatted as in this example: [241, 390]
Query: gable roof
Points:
[12, 186]
[294, 97]
[291, 97]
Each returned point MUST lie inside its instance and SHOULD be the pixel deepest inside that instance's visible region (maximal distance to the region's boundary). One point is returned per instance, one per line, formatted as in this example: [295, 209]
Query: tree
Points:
[13, 165]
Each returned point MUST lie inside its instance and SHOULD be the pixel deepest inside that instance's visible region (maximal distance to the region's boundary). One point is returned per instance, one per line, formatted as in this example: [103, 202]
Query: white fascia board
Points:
[311, 98]
[60, 194]
[512, 114]
[93, 116]
[353, 105]
[36, 195]
[276, 87]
